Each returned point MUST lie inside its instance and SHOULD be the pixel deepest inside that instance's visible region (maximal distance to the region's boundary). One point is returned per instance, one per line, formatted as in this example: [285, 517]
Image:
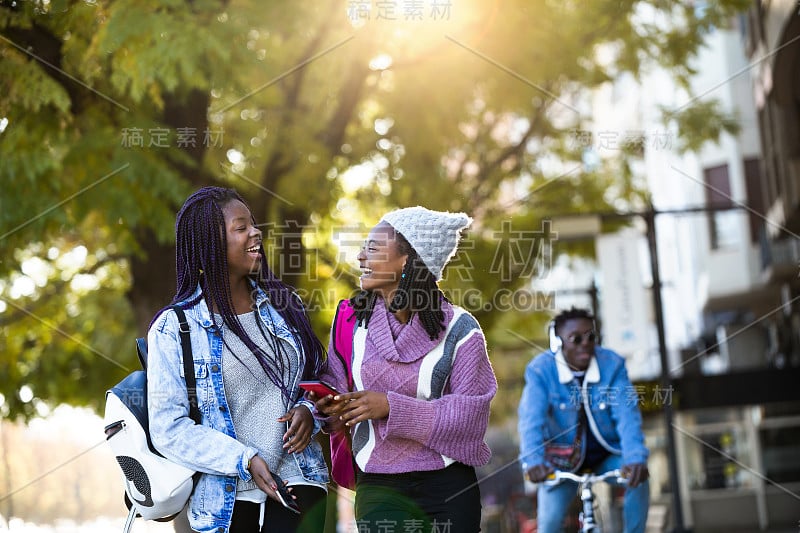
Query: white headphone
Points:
[555, 340]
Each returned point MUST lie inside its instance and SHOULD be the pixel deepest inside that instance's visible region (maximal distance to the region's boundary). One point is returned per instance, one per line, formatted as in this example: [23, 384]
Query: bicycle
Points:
[587, 520]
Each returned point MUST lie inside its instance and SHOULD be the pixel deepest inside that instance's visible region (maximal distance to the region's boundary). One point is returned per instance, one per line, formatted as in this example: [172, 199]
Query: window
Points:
[755, 196]
[722, 227]
[781, 453]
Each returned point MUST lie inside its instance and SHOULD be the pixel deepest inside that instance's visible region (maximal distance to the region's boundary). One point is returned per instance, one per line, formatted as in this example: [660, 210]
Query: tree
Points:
[112, 112]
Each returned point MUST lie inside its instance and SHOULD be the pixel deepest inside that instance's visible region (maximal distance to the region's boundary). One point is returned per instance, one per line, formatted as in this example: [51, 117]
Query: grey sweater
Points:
[255, 402]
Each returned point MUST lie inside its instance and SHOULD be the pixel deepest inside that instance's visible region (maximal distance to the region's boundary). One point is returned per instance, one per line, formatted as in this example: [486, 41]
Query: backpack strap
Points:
[188, 364]
[343, 328]
[141, 351]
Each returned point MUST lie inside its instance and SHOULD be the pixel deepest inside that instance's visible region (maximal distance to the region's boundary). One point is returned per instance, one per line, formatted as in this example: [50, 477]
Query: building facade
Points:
[728, 241]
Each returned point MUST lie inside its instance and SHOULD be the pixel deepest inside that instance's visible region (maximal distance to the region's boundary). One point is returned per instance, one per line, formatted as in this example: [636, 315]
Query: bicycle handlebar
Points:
[559, 475]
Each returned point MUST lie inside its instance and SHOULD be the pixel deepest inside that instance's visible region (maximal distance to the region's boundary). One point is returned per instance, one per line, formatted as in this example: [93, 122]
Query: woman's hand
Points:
[328, 408]
[301, 427]
[263, 478]
[326, 405]
[362, 405]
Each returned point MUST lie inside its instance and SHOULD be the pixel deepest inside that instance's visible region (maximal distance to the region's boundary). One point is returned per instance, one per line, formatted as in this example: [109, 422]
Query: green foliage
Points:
[701, 122]
[28, 86]
[156, 47]
[62, 329]
[474, 112]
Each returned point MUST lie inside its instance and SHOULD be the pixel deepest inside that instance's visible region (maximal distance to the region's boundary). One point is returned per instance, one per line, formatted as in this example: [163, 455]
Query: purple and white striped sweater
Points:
[436, 416]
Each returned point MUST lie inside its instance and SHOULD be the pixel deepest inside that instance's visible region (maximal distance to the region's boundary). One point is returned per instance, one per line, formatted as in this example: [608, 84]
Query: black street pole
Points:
[666, 382]
[596, 308]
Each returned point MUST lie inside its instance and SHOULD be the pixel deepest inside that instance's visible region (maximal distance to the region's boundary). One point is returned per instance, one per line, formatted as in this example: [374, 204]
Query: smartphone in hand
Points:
[319, 388]
[284, 495]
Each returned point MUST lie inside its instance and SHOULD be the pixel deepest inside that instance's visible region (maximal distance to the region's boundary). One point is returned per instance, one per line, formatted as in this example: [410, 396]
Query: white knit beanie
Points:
[434, 235]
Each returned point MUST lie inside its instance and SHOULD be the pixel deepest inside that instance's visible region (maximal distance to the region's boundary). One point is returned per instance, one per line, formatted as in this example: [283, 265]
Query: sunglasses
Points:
[577, 338]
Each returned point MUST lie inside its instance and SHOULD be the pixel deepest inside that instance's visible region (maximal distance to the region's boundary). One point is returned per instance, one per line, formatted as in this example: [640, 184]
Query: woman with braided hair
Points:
[252, 344]
[422, 382]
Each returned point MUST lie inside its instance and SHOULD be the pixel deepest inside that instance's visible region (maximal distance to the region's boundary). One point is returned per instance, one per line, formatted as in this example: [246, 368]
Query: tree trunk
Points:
[153, 273]
[291, 258]
[153, 280]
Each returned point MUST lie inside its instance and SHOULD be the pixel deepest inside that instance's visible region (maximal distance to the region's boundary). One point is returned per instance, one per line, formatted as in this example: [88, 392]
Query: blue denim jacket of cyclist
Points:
[550, 404]
[210, 448]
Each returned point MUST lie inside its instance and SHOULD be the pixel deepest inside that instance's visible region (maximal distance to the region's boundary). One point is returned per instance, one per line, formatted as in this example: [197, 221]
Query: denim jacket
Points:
[550, 403]
[211, 447]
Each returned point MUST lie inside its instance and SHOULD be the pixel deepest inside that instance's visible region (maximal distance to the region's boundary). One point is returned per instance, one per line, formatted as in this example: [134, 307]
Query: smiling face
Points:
[578, 338]
[381, 261]
[244, 240]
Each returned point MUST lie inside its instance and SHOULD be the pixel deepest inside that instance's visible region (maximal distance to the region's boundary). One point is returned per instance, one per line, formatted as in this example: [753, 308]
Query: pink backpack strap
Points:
[344, 325]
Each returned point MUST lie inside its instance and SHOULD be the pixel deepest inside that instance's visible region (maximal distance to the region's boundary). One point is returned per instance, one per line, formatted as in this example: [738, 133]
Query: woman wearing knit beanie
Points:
[422, 382]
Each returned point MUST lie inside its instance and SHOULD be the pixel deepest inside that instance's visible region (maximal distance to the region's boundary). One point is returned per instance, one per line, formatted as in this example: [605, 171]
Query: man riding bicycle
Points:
[579, 412]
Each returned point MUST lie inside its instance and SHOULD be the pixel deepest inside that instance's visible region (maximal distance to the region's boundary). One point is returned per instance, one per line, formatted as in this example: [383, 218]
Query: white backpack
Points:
[155, 487]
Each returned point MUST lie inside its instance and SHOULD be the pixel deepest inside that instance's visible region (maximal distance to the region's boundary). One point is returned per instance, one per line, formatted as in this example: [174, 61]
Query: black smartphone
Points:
[284, 495]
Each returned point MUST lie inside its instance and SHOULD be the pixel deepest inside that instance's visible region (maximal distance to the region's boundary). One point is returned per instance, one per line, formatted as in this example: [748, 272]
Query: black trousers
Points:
[440, 501]
[278, 519]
